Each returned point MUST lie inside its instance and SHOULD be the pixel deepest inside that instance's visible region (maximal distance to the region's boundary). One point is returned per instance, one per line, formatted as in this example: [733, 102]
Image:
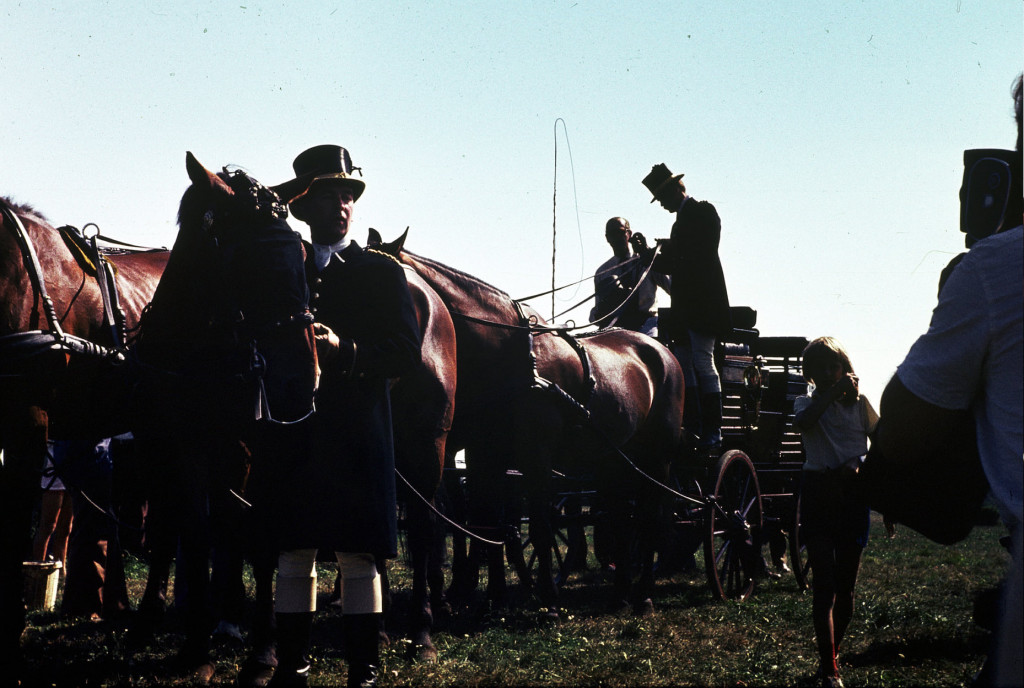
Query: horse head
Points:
[234, 293]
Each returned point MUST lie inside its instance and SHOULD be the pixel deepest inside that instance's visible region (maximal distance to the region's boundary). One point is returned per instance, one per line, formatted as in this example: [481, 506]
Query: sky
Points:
[829, 135]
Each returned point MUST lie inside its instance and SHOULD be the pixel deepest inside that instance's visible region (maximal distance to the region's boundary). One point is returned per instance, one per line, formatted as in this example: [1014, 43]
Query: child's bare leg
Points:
[847, 565]
[821, 555]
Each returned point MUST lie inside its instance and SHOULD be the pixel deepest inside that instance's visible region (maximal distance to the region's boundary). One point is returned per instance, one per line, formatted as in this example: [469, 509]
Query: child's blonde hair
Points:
[820, 353]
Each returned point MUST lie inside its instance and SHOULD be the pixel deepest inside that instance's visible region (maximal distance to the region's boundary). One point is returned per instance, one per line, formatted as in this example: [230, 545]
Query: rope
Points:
[554, 214]
[453, 524]
[533, 326]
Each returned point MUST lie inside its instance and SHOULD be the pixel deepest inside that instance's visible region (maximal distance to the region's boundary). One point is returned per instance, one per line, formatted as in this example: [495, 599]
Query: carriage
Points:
[735, 504]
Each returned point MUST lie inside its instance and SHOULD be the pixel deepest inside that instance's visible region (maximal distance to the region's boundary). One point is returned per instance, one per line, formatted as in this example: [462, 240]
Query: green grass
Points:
[913, 627]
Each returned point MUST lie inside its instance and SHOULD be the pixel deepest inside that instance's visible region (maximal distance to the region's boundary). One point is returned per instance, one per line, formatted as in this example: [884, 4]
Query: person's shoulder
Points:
[610, 263]
[998, 246]
[999, 257]
[703, 209]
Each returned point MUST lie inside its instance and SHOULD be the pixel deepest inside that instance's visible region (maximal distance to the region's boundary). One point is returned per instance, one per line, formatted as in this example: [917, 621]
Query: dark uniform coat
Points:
[700, 301]
[336, 488]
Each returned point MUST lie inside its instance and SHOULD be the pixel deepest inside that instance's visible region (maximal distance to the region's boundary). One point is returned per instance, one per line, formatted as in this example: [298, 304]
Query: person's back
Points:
[978, 329]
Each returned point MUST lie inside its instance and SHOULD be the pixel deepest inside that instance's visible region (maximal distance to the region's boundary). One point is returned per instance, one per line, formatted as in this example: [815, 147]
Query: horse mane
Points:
[23, 209]
[441, 267]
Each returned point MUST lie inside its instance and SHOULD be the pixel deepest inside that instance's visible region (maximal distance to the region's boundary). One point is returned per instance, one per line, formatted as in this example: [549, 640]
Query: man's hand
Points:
[639, 242]
[327, 343]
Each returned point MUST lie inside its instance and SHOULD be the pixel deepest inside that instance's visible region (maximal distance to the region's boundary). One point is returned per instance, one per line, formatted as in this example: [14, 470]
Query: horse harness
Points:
[54, 338]
[542, 384]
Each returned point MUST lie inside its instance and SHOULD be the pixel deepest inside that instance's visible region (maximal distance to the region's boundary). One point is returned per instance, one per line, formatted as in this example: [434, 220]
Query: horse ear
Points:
[373, 237]
[395, 247]
[202, 177]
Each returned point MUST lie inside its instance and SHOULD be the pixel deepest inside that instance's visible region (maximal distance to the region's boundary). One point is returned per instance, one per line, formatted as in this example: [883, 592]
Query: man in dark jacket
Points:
[336, 485]
[700, 301]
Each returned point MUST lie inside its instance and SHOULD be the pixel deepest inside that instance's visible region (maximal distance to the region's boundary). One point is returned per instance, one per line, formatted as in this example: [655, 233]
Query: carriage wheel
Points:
[798, 551]
[733, 515]
[570, 546]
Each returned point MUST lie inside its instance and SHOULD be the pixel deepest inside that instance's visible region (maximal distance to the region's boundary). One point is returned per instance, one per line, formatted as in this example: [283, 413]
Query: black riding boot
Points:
[691, 412]
[361, 649]
[711, 420]
[293, 631]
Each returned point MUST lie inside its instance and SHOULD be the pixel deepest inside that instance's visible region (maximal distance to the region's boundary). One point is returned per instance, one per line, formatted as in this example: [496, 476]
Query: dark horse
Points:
[225, 351]
[532, 398]
[54, 342]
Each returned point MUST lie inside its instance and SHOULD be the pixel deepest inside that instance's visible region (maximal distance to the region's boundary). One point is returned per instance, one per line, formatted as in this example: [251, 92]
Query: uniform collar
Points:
[322, 253]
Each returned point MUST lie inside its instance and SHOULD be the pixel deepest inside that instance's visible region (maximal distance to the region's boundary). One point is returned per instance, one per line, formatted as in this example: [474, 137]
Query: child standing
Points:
[834, 420]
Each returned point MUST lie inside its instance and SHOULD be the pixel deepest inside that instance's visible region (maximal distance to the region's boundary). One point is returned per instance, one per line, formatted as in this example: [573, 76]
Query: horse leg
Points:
[420, 527]
[435, 567]
[621, 537]
[542, 536]
[651, 520]
[465, 574]
[24, 445]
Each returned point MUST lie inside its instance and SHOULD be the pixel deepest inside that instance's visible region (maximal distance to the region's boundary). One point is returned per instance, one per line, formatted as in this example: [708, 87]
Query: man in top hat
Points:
[700, 301]
[334, 482]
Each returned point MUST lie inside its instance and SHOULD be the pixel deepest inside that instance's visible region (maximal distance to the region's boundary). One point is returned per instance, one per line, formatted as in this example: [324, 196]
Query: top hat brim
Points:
[294, 189]
[660, 187]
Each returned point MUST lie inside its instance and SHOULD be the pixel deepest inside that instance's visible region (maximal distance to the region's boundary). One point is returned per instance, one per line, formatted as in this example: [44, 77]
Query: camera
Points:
[990, 196]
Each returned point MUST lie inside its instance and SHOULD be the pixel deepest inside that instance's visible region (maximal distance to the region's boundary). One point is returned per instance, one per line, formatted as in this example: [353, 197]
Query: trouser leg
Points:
[295, 603]
[362, 601]
[710, 386]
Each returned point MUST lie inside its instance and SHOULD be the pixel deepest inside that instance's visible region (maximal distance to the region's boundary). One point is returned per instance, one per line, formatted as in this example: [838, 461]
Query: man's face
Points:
[671, 197]
[618, 236]
[327, 209]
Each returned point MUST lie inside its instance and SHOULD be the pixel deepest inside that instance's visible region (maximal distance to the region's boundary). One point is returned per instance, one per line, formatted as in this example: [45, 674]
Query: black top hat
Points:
[658, 179]
[325, 162]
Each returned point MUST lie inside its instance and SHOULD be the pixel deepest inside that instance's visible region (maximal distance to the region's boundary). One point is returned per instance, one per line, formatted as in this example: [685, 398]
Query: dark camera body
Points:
[990, 197]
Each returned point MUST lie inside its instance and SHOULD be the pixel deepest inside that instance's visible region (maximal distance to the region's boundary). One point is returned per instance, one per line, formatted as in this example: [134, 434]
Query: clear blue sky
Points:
[828, 134]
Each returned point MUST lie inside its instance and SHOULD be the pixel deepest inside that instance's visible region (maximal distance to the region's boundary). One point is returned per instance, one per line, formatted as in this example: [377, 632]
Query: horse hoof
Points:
[644, 608]
[549, 615]
[620, 608]
[255, 675]
[423, 652]
[203, 673]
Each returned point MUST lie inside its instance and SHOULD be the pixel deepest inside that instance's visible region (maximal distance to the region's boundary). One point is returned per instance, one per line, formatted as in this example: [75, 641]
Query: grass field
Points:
[913, 627]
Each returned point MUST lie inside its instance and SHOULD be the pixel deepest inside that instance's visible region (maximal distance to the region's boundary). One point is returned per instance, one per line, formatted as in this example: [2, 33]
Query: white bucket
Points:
[41, 579]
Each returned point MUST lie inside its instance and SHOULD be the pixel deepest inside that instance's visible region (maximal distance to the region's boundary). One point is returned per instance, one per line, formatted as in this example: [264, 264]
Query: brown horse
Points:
[532, 398]
[423, 406]
[54, 340]
[225, 353]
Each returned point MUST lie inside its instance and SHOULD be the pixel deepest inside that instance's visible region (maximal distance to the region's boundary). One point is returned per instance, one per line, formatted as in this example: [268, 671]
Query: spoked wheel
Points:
[798, 551]
[733, 516]
[569, 552]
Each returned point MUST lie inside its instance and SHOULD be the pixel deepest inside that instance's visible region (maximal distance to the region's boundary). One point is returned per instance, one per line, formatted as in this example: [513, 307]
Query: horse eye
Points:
[208, 220]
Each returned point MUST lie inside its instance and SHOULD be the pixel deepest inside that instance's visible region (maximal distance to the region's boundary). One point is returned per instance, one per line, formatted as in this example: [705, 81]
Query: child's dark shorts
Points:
[828, 510]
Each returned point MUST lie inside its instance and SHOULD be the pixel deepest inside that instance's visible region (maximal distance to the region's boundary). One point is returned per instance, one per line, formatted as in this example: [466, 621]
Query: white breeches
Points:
[697, 357]
[296, 582]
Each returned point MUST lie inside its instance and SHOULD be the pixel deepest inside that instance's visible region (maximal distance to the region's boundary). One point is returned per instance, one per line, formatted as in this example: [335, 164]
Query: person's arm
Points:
[807, 417]
[915, 430]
